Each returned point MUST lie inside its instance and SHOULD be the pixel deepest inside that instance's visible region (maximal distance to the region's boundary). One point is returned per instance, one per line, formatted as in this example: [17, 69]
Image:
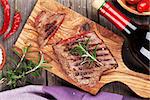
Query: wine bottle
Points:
[138, 37]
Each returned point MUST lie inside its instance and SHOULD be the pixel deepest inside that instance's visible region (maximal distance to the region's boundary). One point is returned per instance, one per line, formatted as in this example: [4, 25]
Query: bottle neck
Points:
[122, 22]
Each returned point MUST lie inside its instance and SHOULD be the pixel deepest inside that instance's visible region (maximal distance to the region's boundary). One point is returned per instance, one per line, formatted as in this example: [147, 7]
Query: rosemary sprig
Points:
[25, 50]
[82, 50]
[38, 66]
[30, 71]
[23, 68]
[87, 54]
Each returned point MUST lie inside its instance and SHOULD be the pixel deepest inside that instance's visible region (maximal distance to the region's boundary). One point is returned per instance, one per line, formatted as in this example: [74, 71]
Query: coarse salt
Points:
[1, 56]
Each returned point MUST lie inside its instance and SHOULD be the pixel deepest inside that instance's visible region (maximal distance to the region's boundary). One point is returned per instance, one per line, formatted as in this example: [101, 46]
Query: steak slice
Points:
[47, 24]
[89, 72]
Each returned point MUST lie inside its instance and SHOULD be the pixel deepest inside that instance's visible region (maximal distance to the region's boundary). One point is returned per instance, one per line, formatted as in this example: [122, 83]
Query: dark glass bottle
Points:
[137, 36]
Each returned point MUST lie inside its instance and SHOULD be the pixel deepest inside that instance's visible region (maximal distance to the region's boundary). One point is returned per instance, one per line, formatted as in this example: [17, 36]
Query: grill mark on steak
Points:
[50, 25]
[75, 58]
[51, 30]
[89, 73]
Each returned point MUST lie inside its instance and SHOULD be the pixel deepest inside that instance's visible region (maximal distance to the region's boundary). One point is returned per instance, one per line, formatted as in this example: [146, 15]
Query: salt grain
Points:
[1, 56]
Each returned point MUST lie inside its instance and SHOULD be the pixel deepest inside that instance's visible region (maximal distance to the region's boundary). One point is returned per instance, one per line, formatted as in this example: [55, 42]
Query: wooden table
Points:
[83, 7]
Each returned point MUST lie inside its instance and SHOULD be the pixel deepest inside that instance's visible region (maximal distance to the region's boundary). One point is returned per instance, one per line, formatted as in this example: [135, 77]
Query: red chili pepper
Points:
[6, 22]
[15, 25]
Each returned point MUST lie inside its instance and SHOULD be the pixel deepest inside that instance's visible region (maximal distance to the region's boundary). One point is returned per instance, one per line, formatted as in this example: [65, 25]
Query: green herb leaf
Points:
[36, 74]
[12, 60]
[16, 52]
[1, 76]
[82, 50]
[23, 68]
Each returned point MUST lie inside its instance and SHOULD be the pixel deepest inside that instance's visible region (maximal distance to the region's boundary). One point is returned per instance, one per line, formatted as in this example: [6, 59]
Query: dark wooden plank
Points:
[91, 12]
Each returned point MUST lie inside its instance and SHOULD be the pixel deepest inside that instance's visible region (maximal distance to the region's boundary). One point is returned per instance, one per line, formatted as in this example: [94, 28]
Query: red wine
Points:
[138, 37]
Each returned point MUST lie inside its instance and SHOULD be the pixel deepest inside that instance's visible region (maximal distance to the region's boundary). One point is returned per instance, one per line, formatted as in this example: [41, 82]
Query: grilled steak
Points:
[47, 25]
[84, 58]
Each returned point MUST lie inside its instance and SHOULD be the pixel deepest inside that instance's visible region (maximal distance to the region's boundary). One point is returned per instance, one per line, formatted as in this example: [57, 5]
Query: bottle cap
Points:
[98, 4]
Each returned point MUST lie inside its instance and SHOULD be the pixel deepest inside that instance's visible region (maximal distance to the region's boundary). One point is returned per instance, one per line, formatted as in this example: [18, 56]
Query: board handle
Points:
[138, 82]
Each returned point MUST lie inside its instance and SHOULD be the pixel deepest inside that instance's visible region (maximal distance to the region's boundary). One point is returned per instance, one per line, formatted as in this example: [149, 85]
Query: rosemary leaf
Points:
[94, 52]
[36, 73]
[1, 76]
[16, 52]
[82, 50]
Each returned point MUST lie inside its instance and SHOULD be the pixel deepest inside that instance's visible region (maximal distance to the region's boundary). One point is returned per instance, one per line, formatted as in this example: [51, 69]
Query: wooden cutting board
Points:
[139, 83]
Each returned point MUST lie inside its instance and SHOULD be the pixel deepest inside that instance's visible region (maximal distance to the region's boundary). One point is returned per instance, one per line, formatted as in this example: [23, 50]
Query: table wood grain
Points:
[84, 8]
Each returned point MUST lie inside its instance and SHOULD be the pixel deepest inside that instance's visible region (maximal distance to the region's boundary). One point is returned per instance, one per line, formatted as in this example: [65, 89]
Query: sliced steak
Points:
[89, 72]
[47, 25]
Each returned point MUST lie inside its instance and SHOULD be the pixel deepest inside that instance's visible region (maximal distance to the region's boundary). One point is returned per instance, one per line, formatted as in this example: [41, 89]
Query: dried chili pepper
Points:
[6, 22]
[15, 25]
